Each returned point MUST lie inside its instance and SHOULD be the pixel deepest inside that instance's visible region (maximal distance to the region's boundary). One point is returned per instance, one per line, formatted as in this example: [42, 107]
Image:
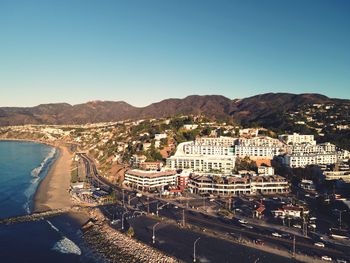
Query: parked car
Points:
[341, 260]
[297, 226]
[275, 234]
[326, 258]
[242, 221]
[312, 226]
[114, 222]
[259, 242]
[319, 244]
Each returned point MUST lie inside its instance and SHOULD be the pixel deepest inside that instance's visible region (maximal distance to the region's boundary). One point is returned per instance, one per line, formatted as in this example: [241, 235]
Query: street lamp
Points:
[154, 236]
[194, 249]
[123, 219]
[340, 213]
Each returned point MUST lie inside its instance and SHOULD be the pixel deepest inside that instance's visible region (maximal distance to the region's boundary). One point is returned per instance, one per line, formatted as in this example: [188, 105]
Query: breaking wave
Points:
[64, 245]
[36, 171]
[30, 191]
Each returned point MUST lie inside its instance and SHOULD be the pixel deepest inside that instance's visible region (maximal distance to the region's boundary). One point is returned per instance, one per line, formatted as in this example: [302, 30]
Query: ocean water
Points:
[22, 166]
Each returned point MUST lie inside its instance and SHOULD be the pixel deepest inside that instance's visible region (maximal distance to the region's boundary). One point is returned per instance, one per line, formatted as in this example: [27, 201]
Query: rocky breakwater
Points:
[115, 246]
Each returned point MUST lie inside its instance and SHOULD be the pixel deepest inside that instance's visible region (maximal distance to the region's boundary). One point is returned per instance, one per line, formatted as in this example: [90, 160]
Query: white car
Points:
[114, 222]
[326, 258]
[313, 218]
[242, 221]
[319, 244]
[341, 261]
[275, 234]
[297, 226]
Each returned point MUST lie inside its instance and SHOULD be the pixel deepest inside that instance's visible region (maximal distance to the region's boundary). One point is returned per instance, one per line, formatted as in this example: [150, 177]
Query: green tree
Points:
[130, 232]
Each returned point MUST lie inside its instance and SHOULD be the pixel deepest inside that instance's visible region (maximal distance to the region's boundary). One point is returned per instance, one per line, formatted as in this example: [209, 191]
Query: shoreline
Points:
[53, 190]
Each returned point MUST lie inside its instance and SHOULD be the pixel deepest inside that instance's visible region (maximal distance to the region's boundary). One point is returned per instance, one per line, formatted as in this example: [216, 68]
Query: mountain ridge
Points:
[246, 110]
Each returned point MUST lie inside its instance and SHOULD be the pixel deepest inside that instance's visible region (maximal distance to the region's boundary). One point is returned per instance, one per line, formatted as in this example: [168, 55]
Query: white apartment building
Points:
[150, 180]
[312, 148]
[259, 147]
[204, 155]
[191, 148]
[201, 163]
[337, 175]
[238, 185]
[297, 138]
[266, 170]
[216, 141]
[303, 160]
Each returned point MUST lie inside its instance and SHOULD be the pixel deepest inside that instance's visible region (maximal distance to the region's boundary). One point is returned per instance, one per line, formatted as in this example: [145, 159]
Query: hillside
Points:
[266, 109]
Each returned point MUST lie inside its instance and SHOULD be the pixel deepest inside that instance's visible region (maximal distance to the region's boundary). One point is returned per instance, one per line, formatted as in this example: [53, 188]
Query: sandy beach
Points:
[53, 192]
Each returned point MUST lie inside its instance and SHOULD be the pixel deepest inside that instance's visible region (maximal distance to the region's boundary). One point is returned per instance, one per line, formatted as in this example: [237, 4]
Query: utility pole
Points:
[123, 219]
[340, 213]
[123, 198]
[294, 246]
[304, 227]
[183, 217]
[147, 205]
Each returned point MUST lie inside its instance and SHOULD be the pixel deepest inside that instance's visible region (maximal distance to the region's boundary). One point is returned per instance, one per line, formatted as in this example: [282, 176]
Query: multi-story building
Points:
[238, 185]
[296, 138]
[150, 180]
[266, 170]
[303, 151]
[151, 165]
[259, 147]
[303, 160]
[216, 141]
[197, 163]
[191, 148]
[312, 148]
[337, 175]
[205, 155]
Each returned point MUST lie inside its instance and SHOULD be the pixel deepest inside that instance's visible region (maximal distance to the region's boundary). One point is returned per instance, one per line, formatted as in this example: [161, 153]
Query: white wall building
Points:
[205, 155]
[266, 170]
[259, 147]
[190, 148]
[237, 185]
[303, 160]
[216, 141]
[197, 163]
[150, 180]
[297, 138]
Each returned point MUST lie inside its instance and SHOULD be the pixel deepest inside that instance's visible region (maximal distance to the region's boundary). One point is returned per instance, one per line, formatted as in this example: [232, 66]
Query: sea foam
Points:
[64, 245]
[36, 171]
[29, 192]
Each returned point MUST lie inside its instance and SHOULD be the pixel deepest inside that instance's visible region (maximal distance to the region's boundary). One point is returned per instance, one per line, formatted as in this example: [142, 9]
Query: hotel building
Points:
[150, 180]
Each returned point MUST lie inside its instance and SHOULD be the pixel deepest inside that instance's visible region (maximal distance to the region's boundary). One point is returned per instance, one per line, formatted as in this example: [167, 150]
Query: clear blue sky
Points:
[147, 50]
